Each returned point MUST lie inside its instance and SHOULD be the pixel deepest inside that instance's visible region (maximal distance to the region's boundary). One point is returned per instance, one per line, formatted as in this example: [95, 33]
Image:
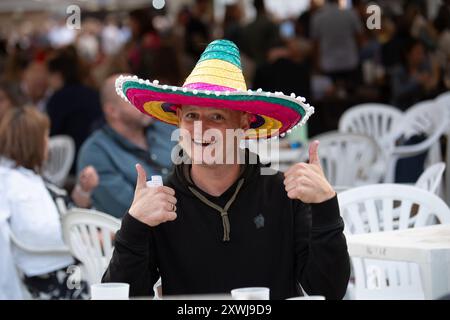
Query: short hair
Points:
[67, 62]
[22, 137]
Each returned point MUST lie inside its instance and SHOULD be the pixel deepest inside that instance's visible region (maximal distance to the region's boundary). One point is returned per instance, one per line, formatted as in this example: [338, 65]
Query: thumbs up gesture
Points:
[306, 181]
[152, 206]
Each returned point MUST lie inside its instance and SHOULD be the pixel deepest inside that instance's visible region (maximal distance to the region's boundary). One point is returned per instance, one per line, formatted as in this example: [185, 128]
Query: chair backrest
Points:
[60, 160]
[427, 117]
[372, 119]
[346, 158]
[431, 178]
[89, 235]
[387, 207]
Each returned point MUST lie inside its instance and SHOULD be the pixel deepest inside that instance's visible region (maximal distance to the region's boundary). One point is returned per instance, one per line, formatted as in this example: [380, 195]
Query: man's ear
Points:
[111, 110]
[245, 121]
[179, 114]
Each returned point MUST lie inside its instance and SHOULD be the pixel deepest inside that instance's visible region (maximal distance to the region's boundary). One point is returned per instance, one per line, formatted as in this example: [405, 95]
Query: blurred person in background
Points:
[8, 97]
[421, 27]
[283, 73]
[34, 85]
[128, 137]
[417, 78]
[337, 33]
[145, 40]
[260, 35]
[442, 26]
[232, 23]
[26, 72]
[28, 206]
[15, 62]
[74, 109]
[304, 20]
[198, 30]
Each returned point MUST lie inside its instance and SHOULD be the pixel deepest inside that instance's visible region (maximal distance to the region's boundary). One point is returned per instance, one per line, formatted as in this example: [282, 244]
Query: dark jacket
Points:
[274, 242]
[74, 110]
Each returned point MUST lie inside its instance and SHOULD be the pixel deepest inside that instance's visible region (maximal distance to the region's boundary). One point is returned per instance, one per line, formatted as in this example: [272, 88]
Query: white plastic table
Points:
[429, 247]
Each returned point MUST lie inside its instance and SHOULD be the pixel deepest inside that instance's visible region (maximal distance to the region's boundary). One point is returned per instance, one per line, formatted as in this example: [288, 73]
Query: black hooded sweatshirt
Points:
[271, 241]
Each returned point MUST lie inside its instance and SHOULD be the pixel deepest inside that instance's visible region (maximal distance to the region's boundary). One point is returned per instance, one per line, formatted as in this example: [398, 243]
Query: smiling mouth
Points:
[203, 143]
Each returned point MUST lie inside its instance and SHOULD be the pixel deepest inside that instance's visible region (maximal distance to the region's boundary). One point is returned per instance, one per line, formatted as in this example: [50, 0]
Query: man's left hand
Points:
[306, 181]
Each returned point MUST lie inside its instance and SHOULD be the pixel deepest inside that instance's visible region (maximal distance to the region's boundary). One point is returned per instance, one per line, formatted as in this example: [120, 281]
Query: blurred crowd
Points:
[55, 80]
[329, 54]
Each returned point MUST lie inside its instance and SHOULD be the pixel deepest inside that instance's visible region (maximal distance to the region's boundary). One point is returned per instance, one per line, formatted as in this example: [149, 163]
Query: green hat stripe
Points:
[234, 97]
[223, 50]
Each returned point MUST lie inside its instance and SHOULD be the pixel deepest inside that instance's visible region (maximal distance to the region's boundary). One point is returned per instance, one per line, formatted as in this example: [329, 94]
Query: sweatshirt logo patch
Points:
[259, 221]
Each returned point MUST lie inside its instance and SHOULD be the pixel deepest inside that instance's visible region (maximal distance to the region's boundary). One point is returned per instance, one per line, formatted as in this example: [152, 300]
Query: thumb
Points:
[314, 153]
[141, 181]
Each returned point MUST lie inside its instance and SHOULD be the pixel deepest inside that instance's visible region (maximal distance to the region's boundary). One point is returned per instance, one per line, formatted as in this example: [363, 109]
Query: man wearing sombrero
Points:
[217, 225]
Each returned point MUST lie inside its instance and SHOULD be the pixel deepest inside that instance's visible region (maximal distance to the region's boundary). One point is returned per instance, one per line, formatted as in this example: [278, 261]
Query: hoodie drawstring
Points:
[223, 211]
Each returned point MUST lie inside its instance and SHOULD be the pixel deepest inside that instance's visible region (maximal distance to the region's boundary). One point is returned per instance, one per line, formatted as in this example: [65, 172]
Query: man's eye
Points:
[217, 117]
[191, 116]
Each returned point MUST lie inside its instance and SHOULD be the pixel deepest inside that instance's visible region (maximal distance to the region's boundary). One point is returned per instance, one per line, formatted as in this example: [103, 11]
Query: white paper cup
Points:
[308, 298]
[110, 291]
[252, 293]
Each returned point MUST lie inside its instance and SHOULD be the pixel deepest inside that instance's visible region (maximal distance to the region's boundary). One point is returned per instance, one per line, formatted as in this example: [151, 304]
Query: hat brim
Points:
[277, 113]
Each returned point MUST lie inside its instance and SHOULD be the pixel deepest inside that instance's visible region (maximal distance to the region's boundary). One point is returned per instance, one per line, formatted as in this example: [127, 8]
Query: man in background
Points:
[127, 137]
[336, 33]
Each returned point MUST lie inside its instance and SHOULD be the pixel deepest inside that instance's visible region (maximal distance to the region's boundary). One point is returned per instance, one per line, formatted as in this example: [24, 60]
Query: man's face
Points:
[35, 80]
[206, 133]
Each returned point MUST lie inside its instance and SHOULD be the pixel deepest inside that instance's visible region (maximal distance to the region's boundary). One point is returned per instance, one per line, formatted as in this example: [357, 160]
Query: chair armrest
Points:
[413, 150]
[42, 250]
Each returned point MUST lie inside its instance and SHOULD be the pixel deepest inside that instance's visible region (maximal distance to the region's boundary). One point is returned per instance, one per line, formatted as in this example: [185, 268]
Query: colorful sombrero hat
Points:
[217, 81]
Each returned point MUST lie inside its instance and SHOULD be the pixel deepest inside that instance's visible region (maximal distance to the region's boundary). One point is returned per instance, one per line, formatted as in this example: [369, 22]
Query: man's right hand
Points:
[152, 205]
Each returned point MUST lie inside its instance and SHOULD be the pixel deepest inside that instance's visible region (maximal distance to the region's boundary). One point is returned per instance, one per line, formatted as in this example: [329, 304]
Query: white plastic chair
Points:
[430, 179]
[426, 117]
[375, 120]
[60, 160]
[89, 234]
[444, 101]
[54, 251]
[375, 208]
[348, 159]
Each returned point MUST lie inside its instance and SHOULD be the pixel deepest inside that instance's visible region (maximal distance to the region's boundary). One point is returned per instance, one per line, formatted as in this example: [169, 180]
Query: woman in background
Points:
[31, 212]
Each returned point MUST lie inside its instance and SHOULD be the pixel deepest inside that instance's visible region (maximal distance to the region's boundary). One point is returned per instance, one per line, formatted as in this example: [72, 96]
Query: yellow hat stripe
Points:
[153, 108]
[219, 64]
[217, 72]
[217, 80]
